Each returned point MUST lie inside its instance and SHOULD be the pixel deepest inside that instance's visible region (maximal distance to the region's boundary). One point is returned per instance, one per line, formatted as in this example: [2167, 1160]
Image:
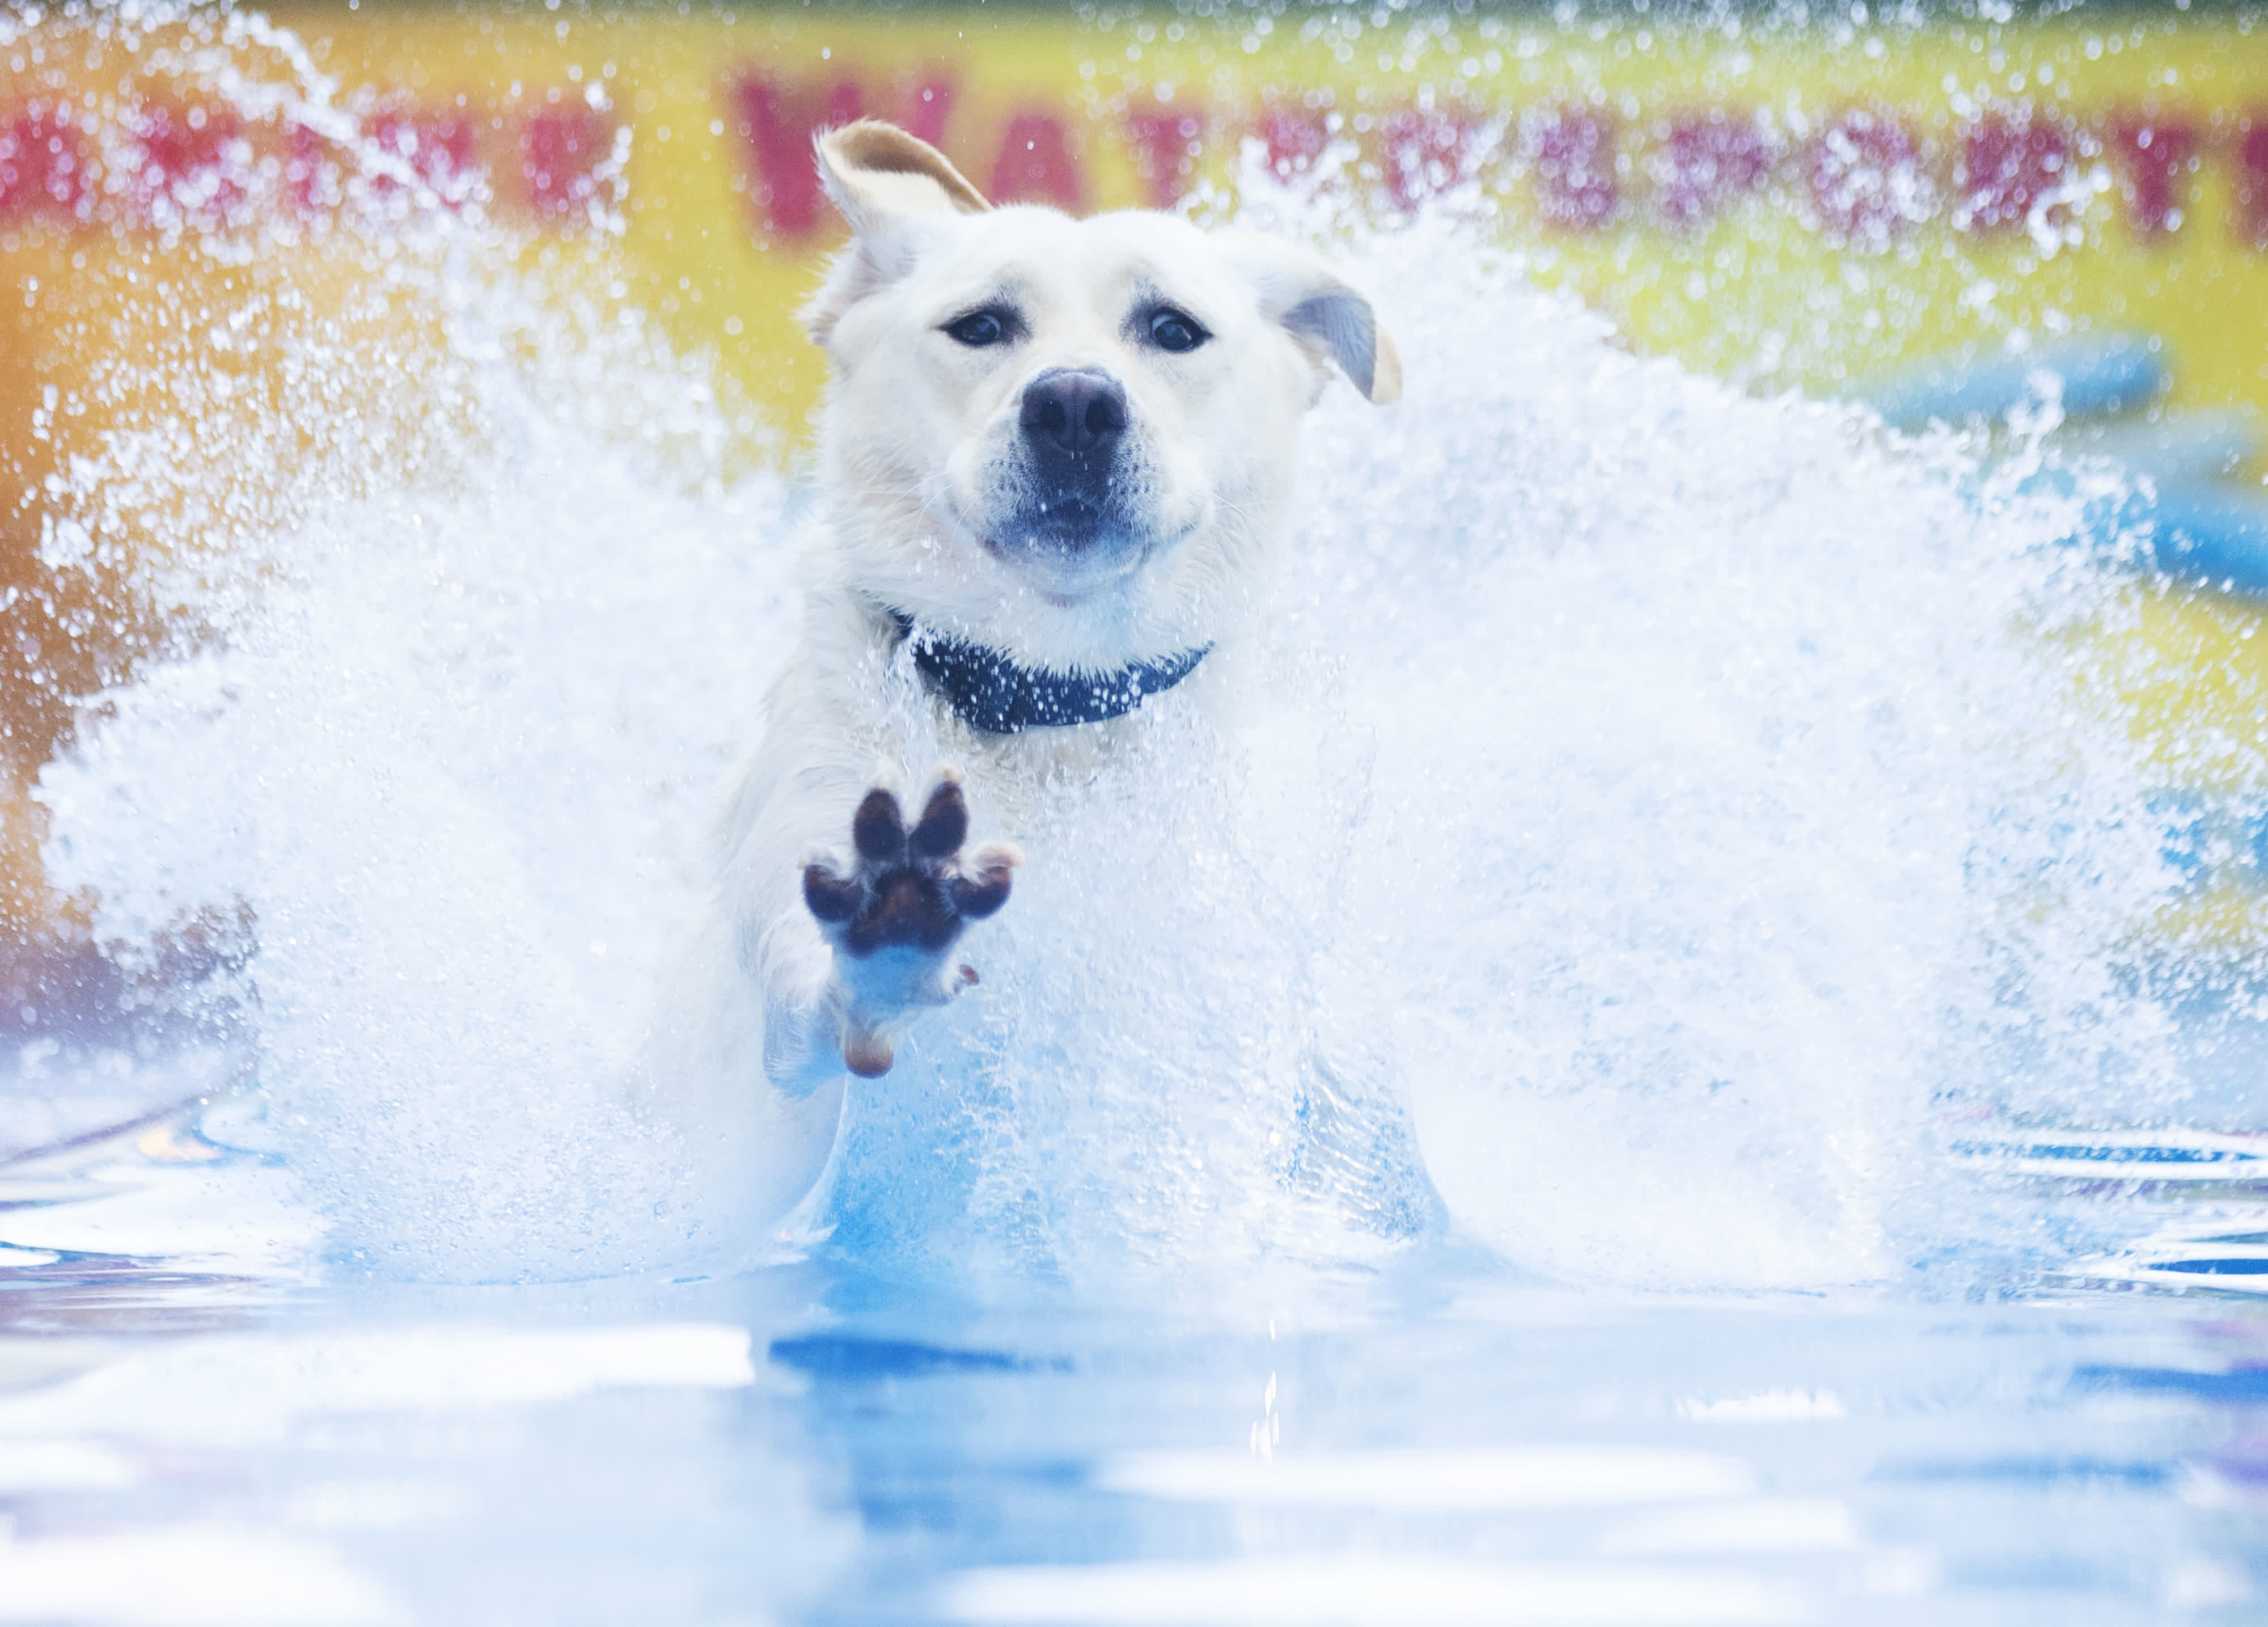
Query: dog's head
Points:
[1071, 439]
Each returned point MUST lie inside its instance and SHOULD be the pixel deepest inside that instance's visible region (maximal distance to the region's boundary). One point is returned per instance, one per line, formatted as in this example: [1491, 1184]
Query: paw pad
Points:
[910, 888]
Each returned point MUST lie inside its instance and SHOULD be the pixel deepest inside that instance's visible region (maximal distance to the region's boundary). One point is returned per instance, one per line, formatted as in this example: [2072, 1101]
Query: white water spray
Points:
[1658, 804]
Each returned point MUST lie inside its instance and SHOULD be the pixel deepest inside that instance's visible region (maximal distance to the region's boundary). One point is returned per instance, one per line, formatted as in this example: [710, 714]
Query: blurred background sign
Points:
[1804, 206]
[1952, 215]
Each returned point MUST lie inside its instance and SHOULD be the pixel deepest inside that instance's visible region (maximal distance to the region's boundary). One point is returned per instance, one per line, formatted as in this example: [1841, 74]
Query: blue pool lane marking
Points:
[2199, 445]
[849, 1357]
[2109, 374]
[2200, 1263]
[2199, 530]
[2218, 1264]
[2243, 1386]
[2225, 1254]
[2211, 536]
[2154, 1155]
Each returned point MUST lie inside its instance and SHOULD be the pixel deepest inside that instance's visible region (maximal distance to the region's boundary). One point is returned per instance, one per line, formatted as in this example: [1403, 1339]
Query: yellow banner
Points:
[1801, 206]
[1806, 207]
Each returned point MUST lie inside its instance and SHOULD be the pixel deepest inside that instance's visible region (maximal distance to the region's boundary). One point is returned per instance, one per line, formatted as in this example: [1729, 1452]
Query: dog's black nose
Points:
[1074, 412]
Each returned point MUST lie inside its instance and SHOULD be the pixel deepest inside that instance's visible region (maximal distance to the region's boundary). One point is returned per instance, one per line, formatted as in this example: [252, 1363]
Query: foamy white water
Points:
[1732, 802]
[443, 766]
[1654, 804]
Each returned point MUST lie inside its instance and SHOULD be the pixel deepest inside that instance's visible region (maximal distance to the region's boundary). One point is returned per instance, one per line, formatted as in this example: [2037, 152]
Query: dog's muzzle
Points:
[1073, 423]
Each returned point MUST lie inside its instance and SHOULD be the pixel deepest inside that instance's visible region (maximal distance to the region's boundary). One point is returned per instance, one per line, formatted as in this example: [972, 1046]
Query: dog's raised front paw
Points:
[911, 892]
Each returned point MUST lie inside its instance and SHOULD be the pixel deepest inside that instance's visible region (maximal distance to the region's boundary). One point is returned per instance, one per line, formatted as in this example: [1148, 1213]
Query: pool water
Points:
[192, 1431]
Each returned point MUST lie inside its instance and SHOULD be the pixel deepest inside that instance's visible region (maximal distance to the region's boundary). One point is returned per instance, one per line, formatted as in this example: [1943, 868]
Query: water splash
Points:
[1651, 810]
[1753, 821]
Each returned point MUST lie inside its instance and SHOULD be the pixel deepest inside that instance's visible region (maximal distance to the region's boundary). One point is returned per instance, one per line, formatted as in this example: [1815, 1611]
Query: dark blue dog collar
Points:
[993, 695]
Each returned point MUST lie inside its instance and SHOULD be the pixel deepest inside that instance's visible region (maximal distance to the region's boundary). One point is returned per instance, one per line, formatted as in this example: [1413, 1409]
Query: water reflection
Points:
[194, 1435]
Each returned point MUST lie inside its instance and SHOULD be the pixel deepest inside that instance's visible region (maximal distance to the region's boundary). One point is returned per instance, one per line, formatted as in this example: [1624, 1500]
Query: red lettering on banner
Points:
[1575, 182]
[2010, 163]
[1425, 151]
[1165, 144]
[1035, 164]
[2253, 179]
[310, 179]
[438, 148]
[925, 109]
[1296, 138]
[42, 167]
[1863, 171]
[1867, 179]
[561, 149]
[777, 124]
[2156, 154]
[190, 163]
[1705, 161]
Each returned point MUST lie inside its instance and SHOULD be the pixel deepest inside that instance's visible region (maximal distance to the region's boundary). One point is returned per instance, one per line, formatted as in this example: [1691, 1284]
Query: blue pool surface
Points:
[203, 1433]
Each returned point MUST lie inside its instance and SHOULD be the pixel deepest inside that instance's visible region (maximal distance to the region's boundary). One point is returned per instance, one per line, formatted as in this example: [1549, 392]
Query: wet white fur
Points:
[915, 463]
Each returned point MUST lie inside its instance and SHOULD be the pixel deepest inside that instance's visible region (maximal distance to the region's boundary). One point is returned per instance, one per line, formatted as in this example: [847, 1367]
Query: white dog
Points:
[1055, 461]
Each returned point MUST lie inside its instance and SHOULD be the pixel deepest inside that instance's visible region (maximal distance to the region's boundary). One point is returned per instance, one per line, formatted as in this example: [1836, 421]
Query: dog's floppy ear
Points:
[876, 173]
[1328, 314]
[884, 182]
[1343, 322]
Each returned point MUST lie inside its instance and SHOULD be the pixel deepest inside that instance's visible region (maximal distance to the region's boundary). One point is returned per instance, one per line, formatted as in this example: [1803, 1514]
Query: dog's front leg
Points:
[895, 917]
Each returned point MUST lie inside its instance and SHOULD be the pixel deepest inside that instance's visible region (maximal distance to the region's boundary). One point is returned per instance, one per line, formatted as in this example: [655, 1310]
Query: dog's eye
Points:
[1171, 330]
[979, 328]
